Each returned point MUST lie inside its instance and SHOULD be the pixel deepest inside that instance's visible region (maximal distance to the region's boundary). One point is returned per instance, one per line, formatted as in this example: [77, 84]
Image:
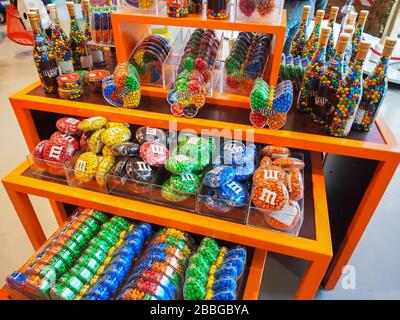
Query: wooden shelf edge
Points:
[255, 276]
[153, 213]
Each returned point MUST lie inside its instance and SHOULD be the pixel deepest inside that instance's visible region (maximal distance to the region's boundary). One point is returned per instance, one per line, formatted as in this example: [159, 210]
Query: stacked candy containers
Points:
[348, 96]
[329, 83]
[330, 47]
[178, 8]
[362, 18]
[82, 60]
[46, 63]
[374, 90]
[300, 38]
[349, 29]
[312, 43]
[60, 43]
[312, 74]
[218, 9]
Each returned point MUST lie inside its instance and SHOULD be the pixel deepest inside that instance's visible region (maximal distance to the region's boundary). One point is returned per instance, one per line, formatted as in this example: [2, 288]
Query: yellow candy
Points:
[95, 144]
[92, 124]
[105, 165]
[86, 166]
[115, 135]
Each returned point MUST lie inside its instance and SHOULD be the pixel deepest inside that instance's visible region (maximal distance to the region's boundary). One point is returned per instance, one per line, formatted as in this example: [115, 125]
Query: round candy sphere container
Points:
[218, 9]
[70, 86]
[122, 89]
[95, 79]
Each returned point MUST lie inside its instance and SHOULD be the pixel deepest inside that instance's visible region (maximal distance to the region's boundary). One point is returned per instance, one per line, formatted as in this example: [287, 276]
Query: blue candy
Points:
[234, 194]
[111, 282]
[236, 263]
[237, 252]
[213, 201]
[218, 176]
[245, 171]
[228, 295]
[97, 291]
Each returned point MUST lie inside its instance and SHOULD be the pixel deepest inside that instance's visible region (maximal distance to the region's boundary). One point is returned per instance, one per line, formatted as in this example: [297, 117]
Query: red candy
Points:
[258, 119]
[84, 140]
[154, 153]
[177, 109]
[247, 7]
[38, 151]
[62, 138]
[68, 125]
[58, 153]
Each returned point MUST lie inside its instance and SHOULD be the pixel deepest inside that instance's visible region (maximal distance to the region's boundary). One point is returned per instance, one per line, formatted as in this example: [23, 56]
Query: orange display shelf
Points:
[129, 26]
[313, 244]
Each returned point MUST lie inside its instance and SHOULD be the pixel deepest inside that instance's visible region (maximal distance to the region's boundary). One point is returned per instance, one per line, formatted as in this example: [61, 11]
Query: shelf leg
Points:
[27, 216]
[276, 60]
[27, 125]
[59, 211]
[312, 278]
[366, 209]
[255, 275]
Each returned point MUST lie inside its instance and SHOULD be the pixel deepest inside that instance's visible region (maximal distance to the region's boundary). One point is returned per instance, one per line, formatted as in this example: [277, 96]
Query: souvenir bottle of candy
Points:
[330, 47]
[312, 43]
[82, 60]
[351, 19]
[42, 31]
[60, 43]
[313, 73]
[344, 11]
[374, 90]
[46, 63]
[329, 83]
[348, 96]
[300, 38]
[86, 15]
[362, 18]
[349, 29]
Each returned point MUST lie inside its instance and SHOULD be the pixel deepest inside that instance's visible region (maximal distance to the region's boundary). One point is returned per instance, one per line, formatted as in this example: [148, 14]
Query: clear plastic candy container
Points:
[122, 89]
[269, 106]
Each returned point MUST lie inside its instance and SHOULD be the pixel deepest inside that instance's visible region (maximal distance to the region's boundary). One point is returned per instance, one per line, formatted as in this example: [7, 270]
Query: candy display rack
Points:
[375, 155]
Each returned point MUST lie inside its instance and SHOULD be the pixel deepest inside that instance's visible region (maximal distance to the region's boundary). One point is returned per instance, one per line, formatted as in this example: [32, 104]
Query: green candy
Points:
[194, 272]
[208, 254]
[100, 216]
[211, 244]
[185, 183]
[179, 163]
[200, 263]
[194, 146]
[194, 290]
[121, 222]
[170, 194]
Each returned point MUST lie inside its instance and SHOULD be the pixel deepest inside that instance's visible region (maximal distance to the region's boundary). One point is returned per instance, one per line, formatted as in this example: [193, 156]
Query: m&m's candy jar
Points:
[348, 96]
[374, 90]
[300, 38]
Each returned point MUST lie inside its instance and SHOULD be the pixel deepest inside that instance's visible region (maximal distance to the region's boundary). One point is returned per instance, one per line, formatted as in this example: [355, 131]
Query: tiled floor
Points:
[376, 260]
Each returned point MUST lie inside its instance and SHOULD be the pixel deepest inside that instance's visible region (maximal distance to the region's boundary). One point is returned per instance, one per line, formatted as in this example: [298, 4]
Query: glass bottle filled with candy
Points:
[60, 43]
[82, 59]
[348, 96]
[325, 99]
[311, 45]
[362, 18]
[374, 90]
[178, 8]
[300, 38]
[349, 29]
[330, 47]
[45, 61]
[313, 73]
[218, 9]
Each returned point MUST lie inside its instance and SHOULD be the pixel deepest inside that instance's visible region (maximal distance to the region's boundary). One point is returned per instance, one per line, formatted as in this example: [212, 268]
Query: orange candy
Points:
[288, 163]
[271, 194]
[268, 172]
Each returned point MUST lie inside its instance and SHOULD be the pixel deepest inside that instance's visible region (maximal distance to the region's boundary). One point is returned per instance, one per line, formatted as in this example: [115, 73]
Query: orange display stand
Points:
[225, 116]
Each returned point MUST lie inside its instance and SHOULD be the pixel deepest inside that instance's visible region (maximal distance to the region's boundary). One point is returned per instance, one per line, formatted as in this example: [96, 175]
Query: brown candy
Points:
[271, 194]
[295, 184]
[275, 152]
[288, 163]
[269, 172]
